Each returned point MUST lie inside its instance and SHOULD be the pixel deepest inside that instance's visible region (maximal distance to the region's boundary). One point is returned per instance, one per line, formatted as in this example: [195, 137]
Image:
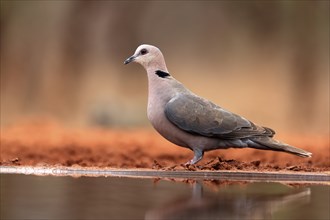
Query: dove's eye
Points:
[143, 51]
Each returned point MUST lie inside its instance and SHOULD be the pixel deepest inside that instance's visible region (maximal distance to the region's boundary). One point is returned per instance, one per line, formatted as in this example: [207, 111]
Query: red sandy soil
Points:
[49, 144]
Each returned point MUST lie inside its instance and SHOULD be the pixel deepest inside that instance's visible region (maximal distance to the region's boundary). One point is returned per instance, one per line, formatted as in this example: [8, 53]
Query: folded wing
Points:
[200, 116]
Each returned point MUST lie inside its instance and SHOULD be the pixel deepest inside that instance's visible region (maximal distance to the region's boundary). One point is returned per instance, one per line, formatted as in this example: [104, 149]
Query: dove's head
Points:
[148, 56]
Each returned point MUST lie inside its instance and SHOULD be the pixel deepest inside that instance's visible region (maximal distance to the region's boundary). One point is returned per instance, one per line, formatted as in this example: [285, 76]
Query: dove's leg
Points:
[198, 155]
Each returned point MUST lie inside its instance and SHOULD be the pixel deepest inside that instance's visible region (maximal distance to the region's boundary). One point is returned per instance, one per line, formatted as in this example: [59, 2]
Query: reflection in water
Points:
[50, 197]
[230, 205]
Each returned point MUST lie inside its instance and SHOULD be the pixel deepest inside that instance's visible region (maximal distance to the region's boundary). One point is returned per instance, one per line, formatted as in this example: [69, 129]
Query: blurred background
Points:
[265, 60]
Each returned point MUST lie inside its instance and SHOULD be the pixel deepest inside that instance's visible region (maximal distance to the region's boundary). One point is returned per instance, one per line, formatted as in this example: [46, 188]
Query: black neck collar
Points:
[162, 74]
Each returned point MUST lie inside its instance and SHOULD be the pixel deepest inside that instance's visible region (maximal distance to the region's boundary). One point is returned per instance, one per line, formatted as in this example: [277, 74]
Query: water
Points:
[51, 197]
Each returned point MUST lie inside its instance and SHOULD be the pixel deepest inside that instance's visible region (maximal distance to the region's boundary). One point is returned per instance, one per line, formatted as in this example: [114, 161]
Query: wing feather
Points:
[200, 116]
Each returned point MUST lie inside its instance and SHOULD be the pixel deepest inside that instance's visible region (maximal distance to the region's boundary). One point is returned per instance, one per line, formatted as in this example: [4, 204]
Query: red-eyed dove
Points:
[190, 121]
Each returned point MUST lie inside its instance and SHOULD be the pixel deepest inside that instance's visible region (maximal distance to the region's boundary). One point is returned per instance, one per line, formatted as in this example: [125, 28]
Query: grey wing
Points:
[200, 116]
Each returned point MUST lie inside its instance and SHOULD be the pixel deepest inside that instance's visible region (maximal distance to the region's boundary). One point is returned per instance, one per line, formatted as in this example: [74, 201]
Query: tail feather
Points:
[267, 143]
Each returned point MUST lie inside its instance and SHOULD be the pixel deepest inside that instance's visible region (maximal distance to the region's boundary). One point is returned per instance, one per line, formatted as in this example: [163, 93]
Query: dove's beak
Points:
[130, 59]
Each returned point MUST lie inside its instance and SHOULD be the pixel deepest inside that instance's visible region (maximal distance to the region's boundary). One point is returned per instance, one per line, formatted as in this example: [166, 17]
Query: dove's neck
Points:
[156, 64]
[158, 74]
[158, 81]
[160, 89]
